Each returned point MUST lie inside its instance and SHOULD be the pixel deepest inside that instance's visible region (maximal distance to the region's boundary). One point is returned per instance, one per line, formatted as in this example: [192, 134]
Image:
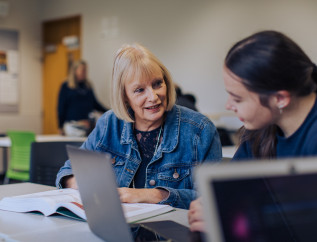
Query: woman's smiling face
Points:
[246, 104]
[147, 96]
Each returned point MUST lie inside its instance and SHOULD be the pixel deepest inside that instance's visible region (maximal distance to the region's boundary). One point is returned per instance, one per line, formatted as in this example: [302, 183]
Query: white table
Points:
[37, 227]
[5, 143]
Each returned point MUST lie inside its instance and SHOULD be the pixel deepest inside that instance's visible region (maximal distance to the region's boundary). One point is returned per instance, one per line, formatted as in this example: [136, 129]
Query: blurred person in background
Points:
[77, 103]
[187, 100]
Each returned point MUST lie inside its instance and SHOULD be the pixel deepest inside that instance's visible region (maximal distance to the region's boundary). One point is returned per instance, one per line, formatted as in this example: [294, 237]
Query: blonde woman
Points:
[154, 143]
[77, 100]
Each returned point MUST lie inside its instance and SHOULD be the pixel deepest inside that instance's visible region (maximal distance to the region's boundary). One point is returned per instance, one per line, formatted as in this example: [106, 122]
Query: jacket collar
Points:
[170, 134]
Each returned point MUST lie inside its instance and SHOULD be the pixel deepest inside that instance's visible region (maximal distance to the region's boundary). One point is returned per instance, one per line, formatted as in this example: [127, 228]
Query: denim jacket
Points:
[189, 138]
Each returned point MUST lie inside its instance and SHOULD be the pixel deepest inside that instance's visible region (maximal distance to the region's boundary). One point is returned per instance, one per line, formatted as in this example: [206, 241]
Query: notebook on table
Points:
[98, 190]
[263, 201]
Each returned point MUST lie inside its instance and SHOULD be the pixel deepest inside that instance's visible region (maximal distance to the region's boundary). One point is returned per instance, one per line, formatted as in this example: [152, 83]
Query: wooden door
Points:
[57, 57]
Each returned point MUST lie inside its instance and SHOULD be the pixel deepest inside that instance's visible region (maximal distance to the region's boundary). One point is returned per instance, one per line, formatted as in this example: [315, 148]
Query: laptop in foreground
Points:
[265, 201]
[98, 190]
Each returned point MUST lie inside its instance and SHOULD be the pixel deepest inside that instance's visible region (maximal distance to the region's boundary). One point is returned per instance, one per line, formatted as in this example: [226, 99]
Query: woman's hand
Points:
[195, 216]
[71, 183]
[144, 195]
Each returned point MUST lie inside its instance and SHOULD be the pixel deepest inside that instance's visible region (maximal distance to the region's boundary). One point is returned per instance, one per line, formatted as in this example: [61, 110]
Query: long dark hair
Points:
[268, 62]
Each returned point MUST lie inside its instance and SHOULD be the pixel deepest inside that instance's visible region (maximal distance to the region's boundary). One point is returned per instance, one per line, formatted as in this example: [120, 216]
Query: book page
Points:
[139, 211]
[56, 201]
[44, 202]
[75, 207]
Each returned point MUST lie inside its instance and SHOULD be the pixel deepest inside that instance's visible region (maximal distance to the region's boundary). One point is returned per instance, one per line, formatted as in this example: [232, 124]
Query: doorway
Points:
[61, 46]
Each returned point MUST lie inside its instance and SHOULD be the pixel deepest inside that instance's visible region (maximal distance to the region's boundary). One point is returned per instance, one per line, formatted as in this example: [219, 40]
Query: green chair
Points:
[20, 150]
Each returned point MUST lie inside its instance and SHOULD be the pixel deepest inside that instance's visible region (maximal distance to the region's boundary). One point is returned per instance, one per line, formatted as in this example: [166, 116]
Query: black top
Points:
[76, 104]
[147, 141]
[186, 100]
[302, 142]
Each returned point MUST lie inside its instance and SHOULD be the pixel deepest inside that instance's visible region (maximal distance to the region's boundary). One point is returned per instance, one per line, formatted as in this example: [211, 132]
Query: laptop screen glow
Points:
[278, 208]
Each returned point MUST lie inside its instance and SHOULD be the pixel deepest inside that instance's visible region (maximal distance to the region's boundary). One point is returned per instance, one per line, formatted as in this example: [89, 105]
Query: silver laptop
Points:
[265, 201]
[98, 190]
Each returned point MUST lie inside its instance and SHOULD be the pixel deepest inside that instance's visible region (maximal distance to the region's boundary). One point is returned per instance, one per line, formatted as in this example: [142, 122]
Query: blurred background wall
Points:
[190, 37]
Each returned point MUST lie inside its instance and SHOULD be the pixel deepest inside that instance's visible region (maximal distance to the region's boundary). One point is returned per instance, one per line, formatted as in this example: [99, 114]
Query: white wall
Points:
[190, 37]
[23, 16]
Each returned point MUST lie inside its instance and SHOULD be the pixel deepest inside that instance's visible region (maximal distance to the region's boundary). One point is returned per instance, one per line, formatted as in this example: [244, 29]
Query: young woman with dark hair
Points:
[272, 89]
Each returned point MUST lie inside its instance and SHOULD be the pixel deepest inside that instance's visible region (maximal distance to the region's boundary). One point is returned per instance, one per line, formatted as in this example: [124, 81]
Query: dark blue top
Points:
[302, 143]
[147, 142]
[76, 104]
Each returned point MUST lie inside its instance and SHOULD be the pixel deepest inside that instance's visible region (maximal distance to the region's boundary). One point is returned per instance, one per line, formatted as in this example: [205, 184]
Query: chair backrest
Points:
[19, 165]
[224, 137]
[46, 160]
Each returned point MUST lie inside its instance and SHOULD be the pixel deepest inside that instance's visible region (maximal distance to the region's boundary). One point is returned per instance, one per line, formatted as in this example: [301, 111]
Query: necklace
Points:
[156, 146]
[158, 140]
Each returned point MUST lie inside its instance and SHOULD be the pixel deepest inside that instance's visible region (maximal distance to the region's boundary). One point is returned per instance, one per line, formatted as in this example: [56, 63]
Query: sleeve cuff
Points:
[60, 176]
[172, 197]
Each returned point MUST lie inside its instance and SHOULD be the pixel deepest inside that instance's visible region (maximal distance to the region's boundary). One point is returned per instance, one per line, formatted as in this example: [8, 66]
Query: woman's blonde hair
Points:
[135, 62]
[71, 80]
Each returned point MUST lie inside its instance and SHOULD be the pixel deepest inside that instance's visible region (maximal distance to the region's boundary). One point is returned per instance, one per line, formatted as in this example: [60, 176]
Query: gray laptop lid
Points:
[98, 190]
[266, 201]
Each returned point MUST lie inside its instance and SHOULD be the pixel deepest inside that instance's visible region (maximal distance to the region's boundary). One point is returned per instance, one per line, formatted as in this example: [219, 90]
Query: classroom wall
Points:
[190, 37]
[24, 17]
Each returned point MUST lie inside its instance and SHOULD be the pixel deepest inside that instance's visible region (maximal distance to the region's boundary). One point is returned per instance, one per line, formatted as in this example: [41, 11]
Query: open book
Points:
[67, 202]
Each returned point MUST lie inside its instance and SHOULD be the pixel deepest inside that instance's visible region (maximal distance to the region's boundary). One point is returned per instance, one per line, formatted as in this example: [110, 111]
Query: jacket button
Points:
[152, 182]
[175, 175]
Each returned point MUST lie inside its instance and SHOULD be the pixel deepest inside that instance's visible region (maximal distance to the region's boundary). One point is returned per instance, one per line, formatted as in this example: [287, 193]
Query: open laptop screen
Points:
[279, 208]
